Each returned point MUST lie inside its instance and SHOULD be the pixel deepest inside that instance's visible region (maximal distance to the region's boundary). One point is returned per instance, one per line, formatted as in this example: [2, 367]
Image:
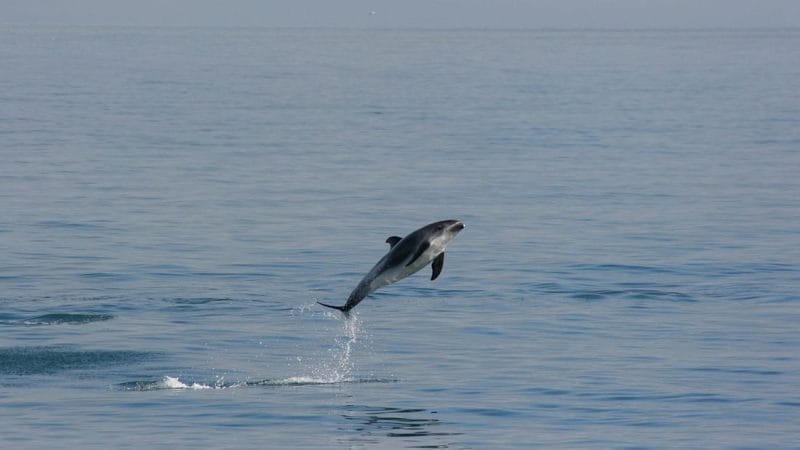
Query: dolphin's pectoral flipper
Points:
[393, 240]
[438, 265]
[424, 246]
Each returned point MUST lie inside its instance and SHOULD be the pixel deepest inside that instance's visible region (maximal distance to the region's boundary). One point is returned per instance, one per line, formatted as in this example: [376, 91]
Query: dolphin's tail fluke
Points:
[343, 309]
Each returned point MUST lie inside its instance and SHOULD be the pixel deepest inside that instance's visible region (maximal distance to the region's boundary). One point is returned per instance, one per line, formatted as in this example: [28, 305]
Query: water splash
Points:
[339, 367]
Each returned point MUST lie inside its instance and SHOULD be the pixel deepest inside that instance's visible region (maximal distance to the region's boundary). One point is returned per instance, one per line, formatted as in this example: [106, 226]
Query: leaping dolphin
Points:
[406, 256]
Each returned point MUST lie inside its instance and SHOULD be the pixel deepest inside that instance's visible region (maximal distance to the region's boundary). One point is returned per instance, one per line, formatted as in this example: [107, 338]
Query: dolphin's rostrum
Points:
[406, 256]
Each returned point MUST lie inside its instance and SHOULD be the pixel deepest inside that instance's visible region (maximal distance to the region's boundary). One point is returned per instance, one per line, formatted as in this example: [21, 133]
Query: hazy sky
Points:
[409, 13]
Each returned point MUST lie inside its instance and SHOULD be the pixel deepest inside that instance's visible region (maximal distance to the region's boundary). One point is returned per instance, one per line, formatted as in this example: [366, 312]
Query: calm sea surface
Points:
[173, 202]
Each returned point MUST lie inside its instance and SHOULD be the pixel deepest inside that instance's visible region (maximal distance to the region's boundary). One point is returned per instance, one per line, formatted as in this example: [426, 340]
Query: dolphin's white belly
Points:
[397, 273]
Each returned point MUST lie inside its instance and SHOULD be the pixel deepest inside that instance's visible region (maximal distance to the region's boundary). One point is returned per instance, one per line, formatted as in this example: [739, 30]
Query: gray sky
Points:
[409, 13]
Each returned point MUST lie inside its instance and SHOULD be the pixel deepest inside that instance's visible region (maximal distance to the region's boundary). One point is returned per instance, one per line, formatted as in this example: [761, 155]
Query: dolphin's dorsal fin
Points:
[393, 240]
[438, 265]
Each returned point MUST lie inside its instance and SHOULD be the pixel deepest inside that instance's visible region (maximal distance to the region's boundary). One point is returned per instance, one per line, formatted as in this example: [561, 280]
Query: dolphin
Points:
[406, 256]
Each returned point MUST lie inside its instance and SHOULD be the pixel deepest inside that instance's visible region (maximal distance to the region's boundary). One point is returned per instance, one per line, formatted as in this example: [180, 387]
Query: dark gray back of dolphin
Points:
[406, 256]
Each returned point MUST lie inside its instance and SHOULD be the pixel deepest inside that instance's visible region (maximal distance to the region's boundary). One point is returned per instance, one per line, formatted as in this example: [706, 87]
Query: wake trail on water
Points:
[337, 369]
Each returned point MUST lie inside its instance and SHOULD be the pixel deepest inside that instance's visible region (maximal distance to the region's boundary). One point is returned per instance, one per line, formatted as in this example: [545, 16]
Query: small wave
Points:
[106, 276]
[63, 224]
[738, 370]
[633, 294]
[623, 268]
[63, 318]
[198, 300]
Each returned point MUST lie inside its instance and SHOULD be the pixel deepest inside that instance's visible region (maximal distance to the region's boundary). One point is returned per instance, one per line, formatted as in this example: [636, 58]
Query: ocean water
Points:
[173, 202]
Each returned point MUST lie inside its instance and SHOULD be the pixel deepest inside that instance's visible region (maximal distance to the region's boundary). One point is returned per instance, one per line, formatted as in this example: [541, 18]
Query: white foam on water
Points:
[174, 383]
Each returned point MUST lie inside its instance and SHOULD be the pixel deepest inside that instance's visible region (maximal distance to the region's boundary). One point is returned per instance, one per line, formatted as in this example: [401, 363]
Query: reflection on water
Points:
[374, 423]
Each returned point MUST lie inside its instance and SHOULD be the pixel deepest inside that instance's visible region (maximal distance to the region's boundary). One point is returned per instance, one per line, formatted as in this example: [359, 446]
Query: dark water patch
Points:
[53, 359]
[737, 371]
[708, 398]
[622, 268]
[87, 258]
[208, 304]
[490, 412]
[53, 319]
[633, 294]
[70, 319]
[691, 397]
[225, 275]
[107, 276]
[583, 410]
[198, 300]
[484, 331]
[547, 391]
[779, 299]
[12, 277]
[741, 269]
[547, 406]
[397, 422]
[651, 294]
[9, 319]
[589, 296]
[63, 224]
[165, 270]
[254, 270]
[438, 292]
[548, 288]
[758, 268]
